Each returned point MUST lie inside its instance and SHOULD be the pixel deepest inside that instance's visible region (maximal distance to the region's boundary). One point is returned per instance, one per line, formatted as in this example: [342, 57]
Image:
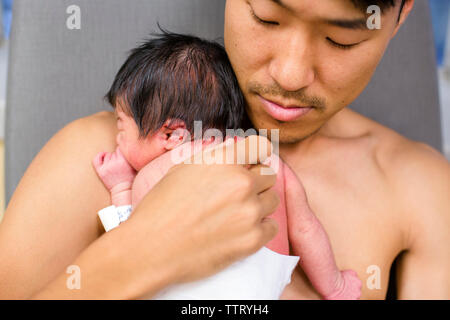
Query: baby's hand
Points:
[349, 288]
[114, 170]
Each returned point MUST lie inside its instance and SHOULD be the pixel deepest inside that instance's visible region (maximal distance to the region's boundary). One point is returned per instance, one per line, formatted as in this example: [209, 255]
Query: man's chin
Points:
[288, 133]
[286, 136]
[292, 139]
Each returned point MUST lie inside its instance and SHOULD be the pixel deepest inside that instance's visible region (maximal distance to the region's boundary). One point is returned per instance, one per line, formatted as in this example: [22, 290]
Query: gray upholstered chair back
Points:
[57, 75]
[1, 23]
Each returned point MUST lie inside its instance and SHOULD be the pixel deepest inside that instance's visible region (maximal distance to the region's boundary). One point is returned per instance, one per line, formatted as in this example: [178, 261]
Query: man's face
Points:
[301, 61]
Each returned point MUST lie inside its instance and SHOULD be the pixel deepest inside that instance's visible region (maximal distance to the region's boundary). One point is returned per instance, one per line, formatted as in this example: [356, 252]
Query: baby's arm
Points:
[116, 174]
[310, 241]
[154, 171]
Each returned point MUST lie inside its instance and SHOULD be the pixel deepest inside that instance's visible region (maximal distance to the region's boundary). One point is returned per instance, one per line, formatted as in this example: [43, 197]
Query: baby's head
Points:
[165, 85]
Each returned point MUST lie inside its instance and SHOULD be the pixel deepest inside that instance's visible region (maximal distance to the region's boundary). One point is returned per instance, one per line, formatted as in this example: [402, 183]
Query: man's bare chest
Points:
[355, 208]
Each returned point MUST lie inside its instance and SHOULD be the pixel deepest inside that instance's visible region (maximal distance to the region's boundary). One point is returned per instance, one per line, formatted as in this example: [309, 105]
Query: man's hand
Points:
[195, 222]
[116, 174]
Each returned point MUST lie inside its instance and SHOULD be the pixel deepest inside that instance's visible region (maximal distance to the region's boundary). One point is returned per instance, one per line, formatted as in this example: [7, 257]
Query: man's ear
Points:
[175, 133]
[407, 7]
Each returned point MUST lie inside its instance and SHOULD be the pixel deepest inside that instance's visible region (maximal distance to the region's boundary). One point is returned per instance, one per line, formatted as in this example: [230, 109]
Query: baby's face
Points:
[138, 152]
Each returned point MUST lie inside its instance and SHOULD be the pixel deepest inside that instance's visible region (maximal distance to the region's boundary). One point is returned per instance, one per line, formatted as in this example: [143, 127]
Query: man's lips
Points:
[282, 113]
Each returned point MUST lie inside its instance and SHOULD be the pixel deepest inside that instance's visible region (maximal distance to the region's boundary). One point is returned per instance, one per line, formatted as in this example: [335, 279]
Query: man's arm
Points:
[141, 264]
[422, 181]
[52, 216]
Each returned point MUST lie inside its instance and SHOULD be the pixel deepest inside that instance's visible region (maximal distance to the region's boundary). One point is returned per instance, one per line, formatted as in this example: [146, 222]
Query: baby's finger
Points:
[107, 157]
[98, 160]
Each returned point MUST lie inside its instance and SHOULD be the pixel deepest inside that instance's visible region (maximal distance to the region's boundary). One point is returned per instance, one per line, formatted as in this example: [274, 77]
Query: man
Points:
[300, 63]
[377, 194]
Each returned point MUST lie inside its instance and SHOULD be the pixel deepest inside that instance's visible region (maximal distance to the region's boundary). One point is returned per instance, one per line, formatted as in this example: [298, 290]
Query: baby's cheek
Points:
[121, 143]
[119, 138]
[135, 160]
[126, 149]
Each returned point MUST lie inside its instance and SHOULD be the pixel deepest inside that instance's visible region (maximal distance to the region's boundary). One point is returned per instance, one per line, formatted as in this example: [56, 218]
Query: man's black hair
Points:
[175, 76]
[383, 4]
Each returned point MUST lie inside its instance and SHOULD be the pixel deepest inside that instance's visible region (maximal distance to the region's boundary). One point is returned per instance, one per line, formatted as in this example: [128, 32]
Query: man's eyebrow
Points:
[354, 24]
[282, 4]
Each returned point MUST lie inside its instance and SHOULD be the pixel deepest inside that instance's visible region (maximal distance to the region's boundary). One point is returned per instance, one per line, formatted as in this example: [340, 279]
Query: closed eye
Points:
[340, 45]
[261, 21]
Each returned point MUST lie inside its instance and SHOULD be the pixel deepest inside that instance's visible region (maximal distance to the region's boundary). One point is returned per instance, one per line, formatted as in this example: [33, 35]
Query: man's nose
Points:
[292, 65]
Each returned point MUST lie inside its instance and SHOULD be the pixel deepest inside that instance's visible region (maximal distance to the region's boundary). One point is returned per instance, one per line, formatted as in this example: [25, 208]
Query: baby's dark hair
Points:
[175, 76]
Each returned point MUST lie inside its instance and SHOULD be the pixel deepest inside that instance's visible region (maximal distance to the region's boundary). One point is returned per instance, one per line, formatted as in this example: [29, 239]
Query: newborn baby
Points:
[164, 86]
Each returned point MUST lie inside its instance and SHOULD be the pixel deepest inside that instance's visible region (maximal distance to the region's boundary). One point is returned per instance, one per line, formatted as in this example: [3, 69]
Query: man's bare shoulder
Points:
[394, 152]
[100, 121]
[89, 132]
[68, 155]
[402, 159]
[417, 174]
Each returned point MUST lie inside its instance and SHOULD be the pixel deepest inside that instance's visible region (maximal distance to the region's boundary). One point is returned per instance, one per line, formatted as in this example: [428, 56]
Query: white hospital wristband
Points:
[109, 217]
[123, 212]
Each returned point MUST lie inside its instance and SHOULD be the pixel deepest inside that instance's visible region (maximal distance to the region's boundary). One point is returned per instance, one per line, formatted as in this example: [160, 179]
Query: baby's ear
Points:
[176, 133]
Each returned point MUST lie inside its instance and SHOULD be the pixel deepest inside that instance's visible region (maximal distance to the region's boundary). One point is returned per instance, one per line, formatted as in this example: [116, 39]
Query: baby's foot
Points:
[349, 288]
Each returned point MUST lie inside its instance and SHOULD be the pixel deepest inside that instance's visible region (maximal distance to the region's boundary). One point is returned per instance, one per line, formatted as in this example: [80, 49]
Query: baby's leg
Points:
[310, 241]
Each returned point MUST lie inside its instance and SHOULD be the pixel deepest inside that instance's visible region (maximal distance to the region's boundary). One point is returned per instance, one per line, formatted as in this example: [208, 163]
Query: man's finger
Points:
[269, 229]
[251, 150]
[263, 181]
[270, 201]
